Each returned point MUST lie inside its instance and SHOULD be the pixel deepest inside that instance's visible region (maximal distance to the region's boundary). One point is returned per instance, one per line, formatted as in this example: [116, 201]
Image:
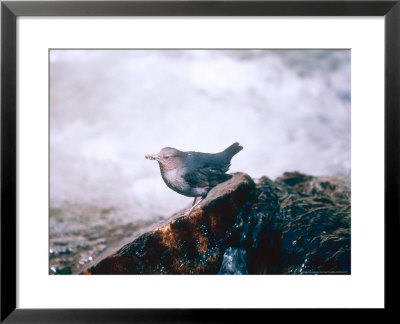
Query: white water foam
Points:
[289, 109]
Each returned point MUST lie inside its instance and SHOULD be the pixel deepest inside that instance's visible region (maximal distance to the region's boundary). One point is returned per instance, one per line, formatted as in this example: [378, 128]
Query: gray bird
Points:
[194, 174]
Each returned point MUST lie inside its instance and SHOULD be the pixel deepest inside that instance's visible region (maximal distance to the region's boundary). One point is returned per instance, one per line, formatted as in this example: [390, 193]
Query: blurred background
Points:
[289, 109]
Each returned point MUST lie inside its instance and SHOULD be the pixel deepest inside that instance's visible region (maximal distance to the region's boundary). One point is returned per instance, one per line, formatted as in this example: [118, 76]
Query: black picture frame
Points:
[10, 10]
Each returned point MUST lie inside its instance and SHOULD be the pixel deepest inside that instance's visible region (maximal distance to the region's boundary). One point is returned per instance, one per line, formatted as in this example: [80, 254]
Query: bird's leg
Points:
[194, 205]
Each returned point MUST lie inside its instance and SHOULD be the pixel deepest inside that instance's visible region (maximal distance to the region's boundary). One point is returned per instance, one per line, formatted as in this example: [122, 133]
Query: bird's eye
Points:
[167, 157]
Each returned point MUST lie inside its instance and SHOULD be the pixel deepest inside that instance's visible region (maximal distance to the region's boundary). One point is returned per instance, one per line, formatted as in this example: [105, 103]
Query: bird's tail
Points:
[233, 149]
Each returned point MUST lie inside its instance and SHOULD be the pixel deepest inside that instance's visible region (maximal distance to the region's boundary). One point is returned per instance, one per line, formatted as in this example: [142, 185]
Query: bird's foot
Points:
[193, 207]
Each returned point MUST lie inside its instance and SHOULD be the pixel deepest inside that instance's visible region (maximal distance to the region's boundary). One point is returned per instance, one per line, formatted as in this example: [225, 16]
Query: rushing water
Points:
[289, 109]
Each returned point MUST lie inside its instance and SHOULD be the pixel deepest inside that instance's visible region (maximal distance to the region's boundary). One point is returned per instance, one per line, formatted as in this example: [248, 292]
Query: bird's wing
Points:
[206, 177]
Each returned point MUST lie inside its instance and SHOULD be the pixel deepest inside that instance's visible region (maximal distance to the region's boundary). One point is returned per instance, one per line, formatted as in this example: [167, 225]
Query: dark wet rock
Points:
[184, 244]
[297, 224]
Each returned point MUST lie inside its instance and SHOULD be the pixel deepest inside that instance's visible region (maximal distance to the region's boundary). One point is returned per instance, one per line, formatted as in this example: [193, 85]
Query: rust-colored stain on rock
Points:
[296, 224]
[186, 244]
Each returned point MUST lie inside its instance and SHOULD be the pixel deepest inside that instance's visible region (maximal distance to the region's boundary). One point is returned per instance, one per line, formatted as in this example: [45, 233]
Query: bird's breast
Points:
[174, 179]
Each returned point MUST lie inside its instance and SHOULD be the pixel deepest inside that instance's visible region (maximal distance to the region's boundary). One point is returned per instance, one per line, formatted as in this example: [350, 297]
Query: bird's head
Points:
[168, 158]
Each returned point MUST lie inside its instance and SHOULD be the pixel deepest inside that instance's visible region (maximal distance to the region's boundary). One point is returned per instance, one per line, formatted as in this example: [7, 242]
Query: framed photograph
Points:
[176, 155]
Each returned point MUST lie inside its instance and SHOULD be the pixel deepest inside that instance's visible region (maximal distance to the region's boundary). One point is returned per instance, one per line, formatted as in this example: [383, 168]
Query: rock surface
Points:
[191, 244]
[297, 224]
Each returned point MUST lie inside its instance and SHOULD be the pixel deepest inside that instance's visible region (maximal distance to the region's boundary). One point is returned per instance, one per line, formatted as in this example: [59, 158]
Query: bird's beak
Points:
[151, 157]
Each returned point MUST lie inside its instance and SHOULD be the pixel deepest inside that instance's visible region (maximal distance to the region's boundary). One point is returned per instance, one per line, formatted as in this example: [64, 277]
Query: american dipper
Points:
[194, 174]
